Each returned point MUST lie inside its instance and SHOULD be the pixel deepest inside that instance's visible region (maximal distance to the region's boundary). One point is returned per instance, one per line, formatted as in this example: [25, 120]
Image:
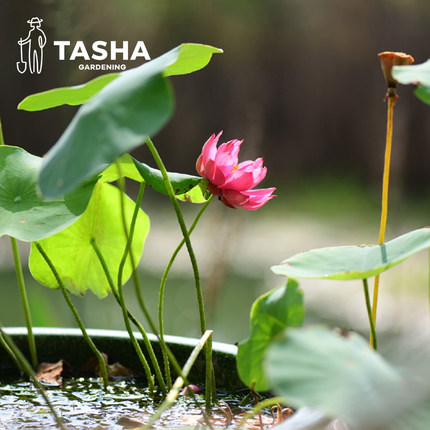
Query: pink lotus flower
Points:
[230, 180]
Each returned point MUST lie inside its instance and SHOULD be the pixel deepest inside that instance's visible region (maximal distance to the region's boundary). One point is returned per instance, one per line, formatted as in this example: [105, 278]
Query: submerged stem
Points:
[199, 293]
[384, 207]
[24, 301]
[97, 353]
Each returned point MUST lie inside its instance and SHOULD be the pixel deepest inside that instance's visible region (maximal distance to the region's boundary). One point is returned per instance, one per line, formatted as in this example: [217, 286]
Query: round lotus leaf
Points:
[71, 251]
[24, 213]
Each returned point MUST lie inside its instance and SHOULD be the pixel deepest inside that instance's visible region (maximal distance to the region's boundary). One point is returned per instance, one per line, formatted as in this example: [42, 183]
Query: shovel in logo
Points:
[21, 65]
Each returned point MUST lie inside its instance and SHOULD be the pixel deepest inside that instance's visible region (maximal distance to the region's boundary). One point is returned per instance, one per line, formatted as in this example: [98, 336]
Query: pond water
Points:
[83, 404]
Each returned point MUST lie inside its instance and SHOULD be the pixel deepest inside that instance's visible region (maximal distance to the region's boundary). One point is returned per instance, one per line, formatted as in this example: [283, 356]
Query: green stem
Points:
[173, 200]
[101, 360]
[174, 392]
[18, 357]
[133, 339]
[163, 287]
[5, 345]
[369, 314]
[24, 301]
[130, 235]
[169, 353]
[127, 251]
[131, 317]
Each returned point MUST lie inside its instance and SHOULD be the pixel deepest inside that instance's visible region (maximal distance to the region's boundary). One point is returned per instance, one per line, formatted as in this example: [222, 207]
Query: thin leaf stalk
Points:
[18, 357]
[180, 380]
[199, 293]
[130, 233]
[137, 288]
[11, 353]
[121, 186]
[133, 319]
[97, 353]
[130, 316]
[162, 289]
[369, 314]
[384, 206]
[24, 302]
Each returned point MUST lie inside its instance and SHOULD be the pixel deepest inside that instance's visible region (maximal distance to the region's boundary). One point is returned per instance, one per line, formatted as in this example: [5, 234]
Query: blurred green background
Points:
[300, 81]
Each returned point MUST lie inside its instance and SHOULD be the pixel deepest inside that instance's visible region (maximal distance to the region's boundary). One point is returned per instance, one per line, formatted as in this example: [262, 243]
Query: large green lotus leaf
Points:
[24, 213]
[354, 262]
[71, 251]
[418, 74]
[192, 57]
[336, 375]
[181, 182]
[114, 121]
[270, 314]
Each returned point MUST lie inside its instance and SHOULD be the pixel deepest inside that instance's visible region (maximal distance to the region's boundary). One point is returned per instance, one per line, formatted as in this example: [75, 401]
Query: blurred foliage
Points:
[300, 80]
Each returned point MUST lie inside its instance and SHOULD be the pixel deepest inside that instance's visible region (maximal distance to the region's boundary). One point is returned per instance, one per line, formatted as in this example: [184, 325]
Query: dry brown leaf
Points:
[50, 373]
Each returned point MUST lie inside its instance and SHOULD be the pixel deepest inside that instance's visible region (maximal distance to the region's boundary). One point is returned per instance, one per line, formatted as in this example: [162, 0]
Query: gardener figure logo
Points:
[34, 44]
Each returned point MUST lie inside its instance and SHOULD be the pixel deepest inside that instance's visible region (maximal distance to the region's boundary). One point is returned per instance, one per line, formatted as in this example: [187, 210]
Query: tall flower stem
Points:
[19, 358]
[209, 372]
[163, 288]
[22, 289]
[97, 353]
[384, 207]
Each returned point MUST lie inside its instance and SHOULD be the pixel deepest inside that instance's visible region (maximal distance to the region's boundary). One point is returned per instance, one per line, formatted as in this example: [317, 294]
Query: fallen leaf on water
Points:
[129, 423]
[50, 373]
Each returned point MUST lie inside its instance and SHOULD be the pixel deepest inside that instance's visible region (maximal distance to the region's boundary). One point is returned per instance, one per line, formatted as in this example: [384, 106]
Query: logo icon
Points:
[31, 48]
